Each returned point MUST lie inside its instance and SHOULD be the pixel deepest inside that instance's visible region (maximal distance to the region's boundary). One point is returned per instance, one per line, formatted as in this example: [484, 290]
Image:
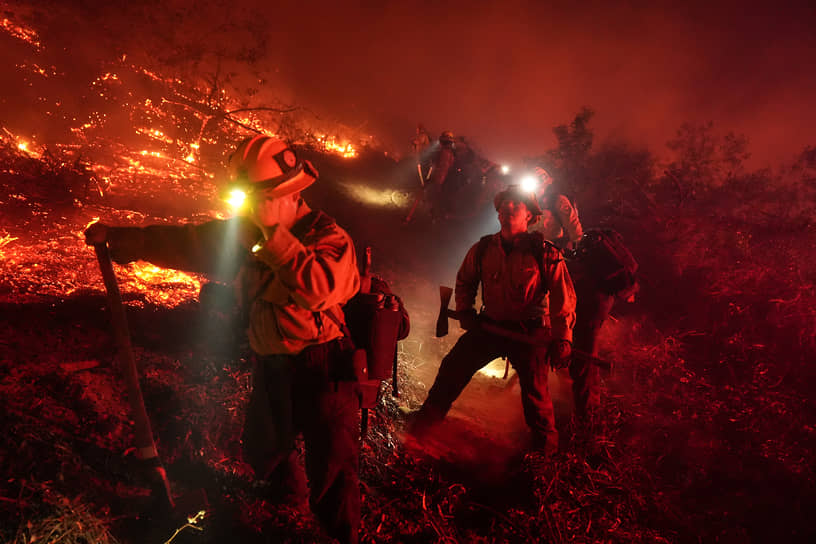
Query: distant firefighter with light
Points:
[559, 222]
[294, 267]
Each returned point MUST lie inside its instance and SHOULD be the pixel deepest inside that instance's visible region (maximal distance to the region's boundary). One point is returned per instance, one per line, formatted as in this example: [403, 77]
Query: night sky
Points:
[506, 72]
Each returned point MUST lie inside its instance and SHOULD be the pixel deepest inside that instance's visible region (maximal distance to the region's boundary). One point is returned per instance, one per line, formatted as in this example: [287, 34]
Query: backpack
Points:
[605, 256]
[376, 320]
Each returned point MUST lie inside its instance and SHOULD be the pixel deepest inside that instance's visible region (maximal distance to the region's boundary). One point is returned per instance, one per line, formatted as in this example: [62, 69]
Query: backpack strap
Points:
[542, 248]
[343, 326]
[481, 248]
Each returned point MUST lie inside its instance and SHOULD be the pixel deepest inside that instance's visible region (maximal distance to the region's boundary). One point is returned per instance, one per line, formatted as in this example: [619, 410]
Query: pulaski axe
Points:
[445, 294]
[145, 446]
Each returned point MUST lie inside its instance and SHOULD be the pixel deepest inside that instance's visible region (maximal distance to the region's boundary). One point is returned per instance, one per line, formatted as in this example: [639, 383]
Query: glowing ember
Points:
[21, 32]
[161, 286]
[330, 144]
[5, 240]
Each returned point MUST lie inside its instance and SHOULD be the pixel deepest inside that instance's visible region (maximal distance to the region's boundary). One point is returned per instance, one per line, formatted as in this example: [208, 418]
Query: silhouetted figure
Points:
[420, 141]
[441, 168]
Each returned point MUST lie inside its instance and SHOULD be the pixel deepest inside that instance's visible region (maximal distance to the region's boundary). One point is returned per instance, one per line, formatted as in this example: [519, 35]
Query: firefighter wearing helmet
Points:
[441, 168]
[526, 289]
[559, 222]
[294, 267]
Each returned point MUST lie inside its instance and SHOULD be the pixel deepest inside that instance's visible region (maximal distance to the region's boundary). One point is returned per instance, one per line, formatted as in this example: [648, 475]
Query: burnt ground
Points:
[707, 433]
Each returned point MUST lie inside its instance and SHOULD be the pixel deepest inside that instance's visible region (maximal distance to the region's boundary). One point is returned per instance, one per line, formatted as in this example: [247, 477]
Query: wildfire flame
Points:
[5, 240]
[329, 143]
[154, 275]
[170, 148]
[22, 33]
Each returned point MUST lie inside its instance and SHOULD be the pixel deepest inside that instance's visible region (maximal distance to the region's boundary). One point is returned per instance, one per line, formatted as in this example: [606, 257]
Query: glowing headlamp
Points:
[505, 169]
[529, 184]
[236, 198]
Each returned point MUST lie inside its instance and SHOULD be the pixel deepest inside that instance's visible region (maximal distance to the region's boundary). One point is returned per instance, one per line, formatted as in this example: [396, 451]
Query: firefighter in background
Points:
[559, 222]
[465, 162]
[420, 141]
[603, 271]
[526, 288]
[592, 309]
[440, 172]
[465, 180]
[293, 268]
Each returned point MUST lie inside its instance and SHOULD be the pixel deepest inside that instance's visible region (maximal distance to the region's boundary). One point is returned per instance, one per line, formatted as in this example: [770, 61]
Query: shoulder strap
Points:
[538, 249]
[481, 248]
[541, 247]
[343, 326]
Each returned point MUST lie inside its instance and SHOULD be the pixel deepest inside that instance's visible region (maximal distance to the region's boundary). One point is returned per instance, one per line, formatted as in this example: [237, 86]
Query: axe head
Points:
[445, 294]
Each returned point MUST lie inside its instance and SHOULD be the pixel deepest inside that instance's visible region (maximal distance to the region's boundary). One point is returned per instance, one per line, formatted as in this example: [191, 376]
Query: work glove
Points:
[469, 319]
[96, 233]
[125, 243]
[559, 353]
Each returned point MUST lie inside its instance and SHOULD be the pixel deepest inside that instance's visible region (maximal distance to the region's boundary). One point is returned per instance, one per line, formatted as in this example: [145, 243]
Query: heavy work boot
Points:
[545, 445]
[419, 423]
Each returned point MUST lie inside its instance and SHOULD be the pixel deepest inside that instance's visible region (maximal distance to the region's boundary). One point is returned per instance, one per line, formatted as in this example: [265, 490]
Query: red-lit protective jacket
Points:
[514, 288]
[287, 286]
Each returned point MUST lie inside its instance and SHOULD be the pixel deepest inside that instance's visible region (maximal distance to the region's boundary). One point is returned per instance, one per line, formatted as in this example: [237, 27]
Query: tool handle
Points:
[526, 339]
[143, 435]
[367, 262]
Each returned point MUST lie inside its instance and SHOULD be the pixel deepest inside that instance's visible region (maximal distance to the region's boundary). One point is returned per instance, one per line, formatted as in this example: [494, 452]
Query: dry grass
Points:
[46, 515]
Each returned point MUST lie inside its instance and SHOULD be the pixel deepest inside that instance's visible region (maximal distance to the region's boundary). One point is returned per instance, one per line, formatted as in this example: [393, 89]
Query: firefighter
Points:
[604, 271]
[525, 289]
[593, 308]
[441, 168]
[559, 222]
[420, 141]
[293, 267]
